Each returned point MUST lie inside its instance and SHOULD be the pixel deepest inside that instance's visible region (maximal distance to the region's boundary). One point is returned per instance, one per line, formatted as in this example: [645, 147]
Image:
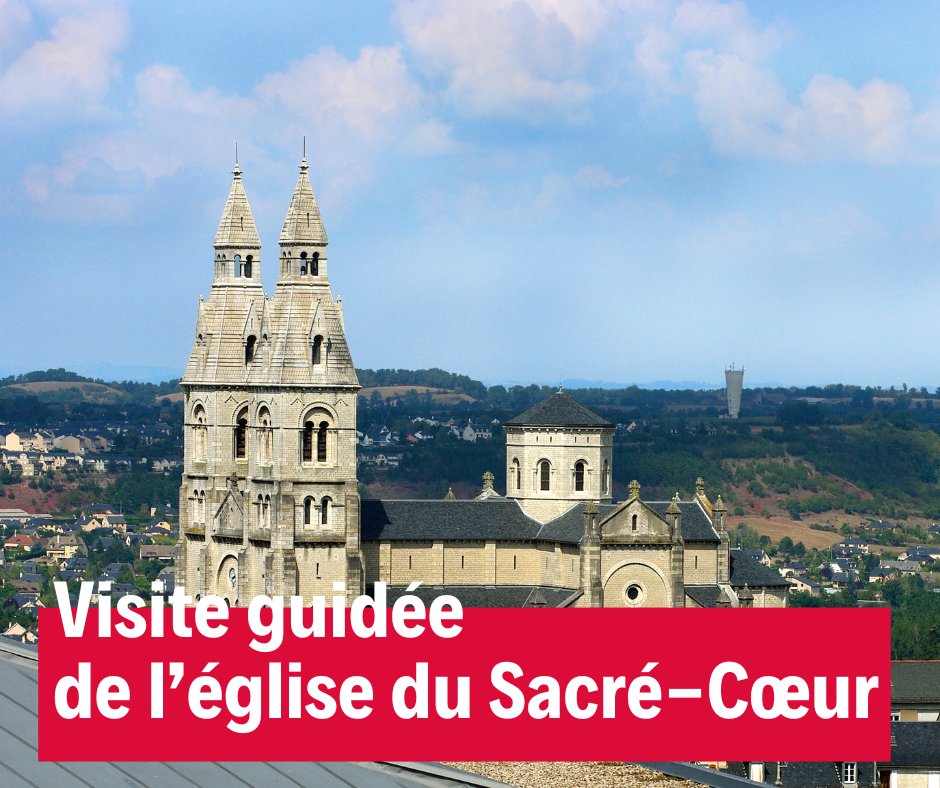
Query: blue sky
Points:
[518, 190]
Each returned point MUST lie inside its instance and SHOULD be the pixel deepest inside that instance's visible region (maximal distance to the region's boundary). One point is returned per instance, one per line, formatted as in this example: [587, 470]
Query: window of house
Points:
[517, 473]
[544, 475]
[579, 476]
[237, 261]
[849, 772]
[633, 523]
[246, 270]
[325, 511]
[605, 476]
[315, 264]
[316, 355]
[303, 263]
[250, 349]
[308, 511]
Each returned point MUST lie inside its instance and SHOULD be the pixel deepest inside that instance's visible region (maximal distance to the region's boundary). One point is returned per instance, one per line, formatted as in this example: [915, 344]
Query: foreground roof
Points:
[19, 764]
[559, 410]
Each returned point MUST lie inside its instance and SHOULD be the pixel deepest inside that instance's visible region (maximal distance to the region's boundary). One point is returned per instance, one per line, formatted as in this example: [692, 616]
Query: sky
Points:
[518, 190]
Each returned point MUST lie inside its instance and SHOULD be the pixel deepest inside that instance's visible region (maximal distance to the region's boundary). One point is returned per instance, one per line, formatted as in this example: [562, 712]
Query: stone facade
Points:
[269, 499]
[269, 503]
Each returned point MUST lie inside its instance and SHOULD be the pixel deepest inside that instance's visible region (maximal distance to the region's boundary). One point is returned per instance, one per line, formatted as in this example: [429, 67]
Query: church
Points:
[269, 500]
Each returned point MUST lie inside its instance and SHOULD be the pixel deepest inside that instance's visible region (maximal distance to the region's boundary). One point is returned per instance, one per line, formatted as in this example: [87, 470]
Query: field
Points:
[176, 396]
[92, 392]
[798, 530]
[441, 396]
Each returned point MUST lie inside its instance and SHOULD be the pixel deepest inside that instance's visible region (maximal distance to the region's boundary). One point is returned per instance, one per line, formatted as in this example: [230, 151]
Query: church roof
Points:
[303, 224]
[491, 596]
[559, 410]
[746, 570]
[237, 225]
[503, 519]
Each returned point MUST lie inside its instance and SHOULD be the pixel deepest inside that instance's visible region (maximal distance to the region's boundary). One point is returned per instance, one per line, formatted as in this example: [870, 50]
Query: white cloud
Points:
[557, 188]
[71, 70]
[15, 24]
[513, 58]
[355, 108]
[716, 54]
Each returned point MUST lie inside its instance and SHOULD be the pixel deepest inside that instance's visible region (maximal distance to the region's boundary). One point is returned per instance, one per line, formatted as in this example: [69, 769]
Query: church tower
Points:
[269, 501]
[558, 453]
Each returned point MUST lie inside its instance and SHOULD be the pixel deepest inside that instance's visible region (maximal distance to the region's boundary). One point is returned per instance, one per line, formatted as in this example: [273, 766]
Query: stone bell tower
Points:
[268, 503]
[558, 453]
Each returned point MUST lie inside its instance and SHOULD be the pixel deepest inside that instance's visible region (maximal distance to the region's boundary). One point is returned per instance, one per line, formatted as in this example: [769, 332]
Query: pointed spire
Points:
[237, 225]
[303, 224]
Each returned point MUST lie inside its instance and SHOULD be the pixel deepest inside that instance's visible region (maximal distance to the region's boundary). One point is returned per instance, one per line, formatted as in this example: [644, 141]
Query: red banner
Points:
[514, 685]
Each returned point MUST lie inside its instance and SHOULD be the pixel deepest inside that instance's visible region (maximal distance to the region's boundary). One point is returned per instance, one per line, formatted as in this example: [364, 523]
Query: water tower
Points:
[734, 383]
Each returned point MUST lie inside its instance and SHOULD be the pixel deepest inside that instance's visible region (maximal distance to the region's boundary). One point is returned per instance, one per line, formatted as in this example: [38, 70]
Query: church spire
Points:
[303, 225]
[303, 240]
[237, 245]
[237, 225]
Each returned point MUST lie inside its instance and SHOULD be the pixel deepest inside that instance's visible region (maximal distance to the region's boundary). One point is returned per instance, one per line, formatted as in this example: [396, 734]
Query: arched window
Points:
[316, 355]
[308, 511]
[266, 444]
[321, 442]
[315, 264]
[325, 505]
[266, 509]
[633, 523]
[200, 434]
[259, 513]
[246, 271]
[241, 435]
[545, 471]
[250, 349]
[579, 476]
[605, 476]
[237, 265]
[303, 263]
[307, 449]
[517, 473]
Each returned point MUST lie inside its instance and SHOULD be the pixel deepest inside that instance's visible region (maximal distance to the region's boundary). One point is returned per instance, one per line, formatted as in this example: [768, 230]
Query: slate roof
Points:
[492, 518]
[559, 410]
[696, 526]
[749, 571]
[490, 596]
[500, 519]
[914, 745]
[706, 596]
[916, 682]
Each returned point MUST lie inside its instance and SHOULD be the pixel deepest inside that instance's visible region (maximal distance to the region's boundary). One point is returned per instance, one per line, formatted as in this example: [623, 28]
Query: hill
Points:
[86, 391]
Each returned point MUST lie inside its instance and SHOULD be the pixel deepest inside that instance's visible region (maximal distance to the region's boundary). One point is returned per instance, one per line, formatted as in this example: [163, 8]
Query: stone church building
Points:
[269, 501]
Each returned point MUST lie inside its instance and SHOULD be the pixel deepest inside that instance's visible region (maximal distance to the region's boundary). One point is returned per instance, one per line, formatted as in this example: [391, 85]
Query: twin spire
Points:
[237, 226]
[302, 226]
